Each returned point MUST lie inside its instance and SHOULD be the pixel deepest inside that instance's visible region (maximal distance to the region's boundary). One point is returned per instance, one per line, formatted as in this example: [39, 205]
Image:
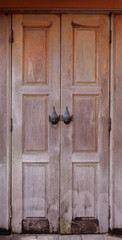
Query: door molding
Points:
[28, 10]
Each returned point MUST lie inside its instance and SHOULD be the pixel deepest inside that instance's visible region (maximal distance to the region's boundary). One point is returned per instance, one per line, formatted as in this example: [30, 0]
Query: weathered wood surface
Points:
[35, 225]
[85, 141]
[85, 225]
[36, 75]
[5, 109]
[116, 147]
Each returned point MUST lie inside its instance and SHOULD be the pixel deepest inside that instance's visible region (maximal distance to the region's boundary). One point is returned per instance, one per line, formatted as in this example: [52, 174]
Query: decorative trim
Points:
[60, 10]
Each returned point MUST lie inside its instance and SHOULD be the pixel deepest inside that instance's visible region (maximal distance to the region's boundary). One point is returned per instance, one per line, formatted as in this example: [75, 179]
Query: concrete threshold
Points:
[59, 237]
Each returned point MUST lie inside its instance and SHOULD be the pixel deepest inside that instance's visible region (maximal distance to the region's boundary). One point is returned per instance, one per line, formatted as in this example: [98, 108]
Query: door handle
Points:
[66, 118]
[54, 118]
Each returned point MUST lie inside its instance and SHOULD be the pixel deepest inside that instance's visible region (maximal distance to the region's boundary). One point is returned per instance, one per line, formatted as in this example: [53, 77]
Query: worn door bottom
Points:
[85, 225]
[35, 225]
[79, 226]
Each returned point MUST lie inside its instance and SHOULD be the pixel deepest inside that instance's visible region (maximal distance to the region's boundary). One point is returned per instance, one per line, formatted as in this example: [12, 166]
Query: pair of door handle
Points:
[54, 118]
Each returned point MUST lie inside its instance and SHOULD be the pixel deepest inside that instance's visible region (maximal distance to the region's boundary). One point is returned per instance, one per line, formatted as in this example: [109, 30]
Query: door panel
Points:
[35, 176]
[84, 142]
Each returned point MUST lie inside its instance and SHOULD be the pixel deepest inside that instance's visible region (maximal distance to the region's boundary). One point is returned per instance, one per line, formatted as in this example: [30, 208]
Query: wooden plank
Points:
[5, 111]
[116, 144]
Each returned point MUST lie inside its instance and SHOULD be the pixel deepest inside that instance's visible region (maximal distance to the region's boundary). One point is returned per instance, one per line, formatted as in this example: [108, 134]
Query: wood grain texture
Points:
[116, 164]
[34, 190]
[35, 141]
[35, 134]
[85, 130]
[84, 178]
[5, 109]
[85, 54]
[35, 54]
[87, 116]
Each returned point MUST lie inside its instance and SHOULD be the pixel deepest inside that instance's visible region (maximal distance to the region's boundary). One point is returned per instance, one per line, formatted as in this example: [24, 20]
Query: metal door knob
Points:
[66, 118]
[54, 118]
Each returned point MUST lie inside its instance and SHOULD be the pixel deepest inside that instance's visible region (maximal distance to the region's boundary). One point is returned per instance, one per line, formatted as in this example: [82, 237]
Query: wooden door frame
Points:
[28, 10]
[5, 161]
[73, 11]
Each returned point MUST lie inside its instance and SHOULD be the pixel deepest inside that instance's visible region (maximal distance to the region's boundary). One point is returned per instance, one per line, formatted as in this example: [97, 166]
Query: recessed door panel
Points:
[84, 194]
[34, 190]
[35, 123]
[85, 127]
[35, 51]
[85, 54]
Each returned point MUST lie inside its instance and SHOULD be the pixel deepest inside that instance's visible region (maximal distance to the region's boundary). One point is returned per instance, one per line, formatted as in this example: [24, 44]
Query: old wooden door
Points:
[60, 171]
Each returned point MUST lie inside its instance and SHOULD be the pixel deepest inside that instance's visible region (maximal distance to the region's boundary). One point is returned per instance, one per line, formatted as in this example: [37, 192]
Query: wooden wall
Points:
[5, 90]
[87, 4]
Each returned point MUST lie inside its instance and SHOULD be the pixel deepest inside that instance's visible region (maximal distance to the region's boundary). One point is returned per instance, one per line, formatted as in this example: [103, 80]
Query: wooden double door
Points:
[60, 171]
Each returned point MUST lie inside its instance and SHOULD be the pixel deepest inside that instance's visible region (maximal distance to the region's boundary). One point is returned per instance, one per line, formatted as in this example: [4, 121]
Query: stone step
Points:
[60, 237]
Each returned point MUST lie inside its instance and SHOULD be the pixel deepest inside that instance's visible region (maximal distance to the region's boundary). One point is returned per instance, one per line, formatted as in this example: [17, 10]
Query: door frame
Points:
[60, 12]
